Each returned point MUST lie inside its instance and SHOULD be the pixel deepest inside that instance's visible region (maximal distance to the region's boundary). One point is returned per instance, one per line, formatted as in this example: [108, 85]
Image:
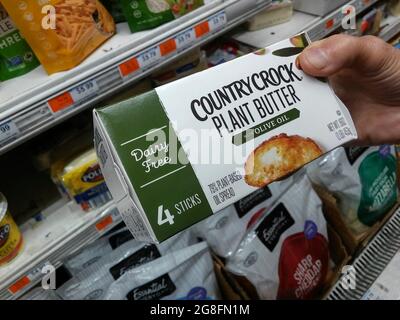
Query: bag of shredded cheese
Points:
[285, 255]
[363, 180]
[224, 230]
[16, 57]
[93, 252]
[148, 14]
[187, 274]
[62, 33]
[93, 282]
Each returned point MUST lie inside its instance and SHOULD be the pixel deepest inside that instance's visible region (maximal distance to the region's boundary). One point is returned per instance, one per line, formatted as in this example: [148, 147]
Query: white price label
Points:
[8, 130]
[84, 90]
[185, 39]
[115, 214]
[218, 21]
[149, 57]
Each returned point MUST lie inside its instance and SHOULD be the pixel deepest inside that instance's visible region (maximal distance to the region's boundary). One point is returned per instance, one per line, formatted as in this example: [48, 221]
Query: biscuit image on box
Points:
[278, 157]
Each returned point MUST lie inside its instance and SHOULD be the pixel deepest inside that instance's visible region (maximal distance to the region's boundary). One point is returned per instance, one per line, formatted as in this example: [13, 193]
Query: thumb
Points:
[326, 57]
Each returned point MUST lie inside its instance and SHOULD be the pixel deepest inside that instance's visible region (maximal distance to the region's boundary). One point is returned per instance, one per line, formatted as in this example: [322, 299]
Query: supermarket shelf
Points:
[63, 232]
[34, 102]
[391, 28]
[316, 27]
[372, 261]
[333, 21]
[267, 36]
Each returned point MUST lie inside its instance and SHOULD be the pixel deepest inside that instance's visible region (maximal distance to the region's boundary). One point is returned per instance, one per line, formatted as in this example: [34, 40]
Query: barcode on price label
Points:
[185, 39]
[218, 21]
[8, 130]
[85, 90]
[149, 57]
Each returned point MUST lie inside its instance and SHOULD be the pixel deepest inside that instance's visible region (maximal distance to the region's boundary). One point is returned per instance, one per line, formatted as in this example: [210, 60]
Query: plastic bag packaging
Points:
[148, 14]
[92, 282]
[62, 33]
[224, 230]
[92, 253]
[187, 274]
[285, 254]
[114, 7]
[16, 57]
[363, 180]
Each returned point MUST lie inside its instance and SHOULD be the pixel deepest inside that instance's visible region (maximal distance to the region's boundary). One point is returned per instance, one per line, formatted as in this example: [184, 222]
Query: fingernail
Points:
[298, 65]
[316, 57]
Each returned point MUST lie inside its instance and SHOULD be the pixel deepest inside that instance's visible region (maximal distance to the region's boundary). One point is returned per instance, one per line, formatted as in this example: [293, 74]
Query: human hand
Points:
[365, 74]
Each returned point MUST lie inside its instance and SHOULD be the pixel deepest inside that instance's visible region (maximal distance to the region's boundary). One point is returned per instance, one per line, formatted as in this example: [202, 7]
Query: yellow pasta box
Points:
[62, 33]
[10, 236]
[83, 180]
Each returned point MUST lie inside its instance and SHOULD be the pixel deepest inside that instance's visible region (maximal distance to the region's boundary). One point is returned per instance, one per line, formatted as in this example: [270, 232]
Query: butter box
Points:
[184, 151]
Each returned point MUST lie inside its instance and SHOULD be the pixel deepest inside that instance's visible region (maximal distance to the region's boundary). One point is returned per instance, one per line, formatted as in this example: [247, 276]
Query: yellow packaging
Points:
[10, 236]
[62, 33]
[84, 182]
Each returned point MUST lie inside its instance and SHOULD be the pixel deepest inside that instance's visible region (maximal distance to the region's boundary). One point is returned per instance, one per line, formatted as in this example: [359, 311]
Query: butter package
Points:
[175, 155]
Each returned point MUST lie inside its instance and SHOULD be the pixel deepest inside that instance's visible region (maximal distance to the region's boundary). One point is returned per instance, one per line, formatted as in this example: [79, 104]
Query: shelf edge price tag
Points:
[218, 21]
[84, 90]
[19, 285]
[76, 94]
[129, 67]
[185, 39]
[104, 223]
[167, 47]
[8, 130]
[202, 29]
[149, 57]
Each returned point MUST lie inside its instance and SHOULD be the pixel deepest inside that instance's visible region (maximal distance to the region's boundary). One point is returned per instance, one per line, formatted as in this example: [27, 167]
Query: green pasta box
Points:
[186, 150]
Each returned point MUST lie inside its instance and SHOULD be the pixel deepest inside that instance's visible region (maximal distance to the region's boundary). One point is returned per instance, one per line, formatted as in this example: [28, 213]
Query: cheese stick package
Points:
[285, 255]
[363, 180]
[247, 123]
[62, 33]
[224, 230]
[93, 252]
[16, 58]
[187, 274]
[93, 281]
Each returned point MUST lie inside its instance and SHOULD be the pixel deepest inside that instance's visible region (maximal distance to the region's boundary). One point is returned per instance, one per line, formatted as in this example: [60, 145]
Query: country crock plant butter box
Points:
[184, 151]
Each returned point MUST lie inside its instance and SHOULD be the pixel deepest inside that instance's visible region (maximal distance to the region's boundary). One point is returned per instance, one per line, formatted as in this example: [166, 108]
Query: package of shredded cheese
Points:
[187, 274]
[93, 282]
[285, 255]
[363, 180]
[62, 33]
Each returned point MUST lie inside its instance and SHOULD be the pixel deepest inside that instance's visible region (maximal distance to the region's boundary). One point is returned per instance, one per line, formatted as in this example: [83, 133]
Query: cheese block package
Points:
[187, 274]
[93, 252]
[93, 282]
[225, 230]
[285, 255]
[16, 57]
[83, 180]
[62, 33]
[246, 124]
[363, 180]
